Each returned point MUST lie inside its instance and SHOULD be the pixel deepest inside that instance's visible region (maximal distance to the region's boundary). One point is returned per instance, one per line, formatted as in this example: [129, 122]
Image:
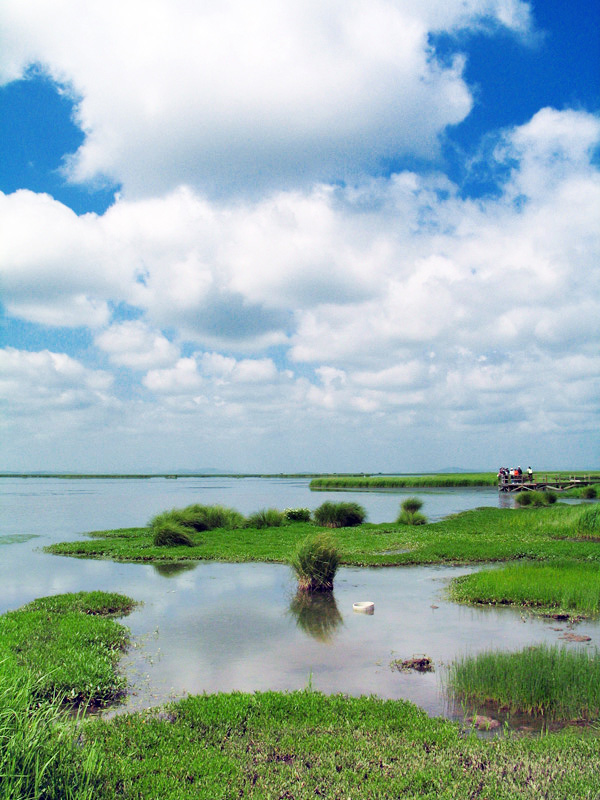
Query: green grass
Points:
[561, 586]
[304, 745]
[440, 480]
[404, 481]
[554, 682]
[105, 604]
[40, 757]
[198, 517]
[266, 518]
[170, 533]
[480, 535]
[588, 523]
[266, 745]
[410, 514]
[315, 562]
[55, 652]
[339, 515]
[536, 497]
[68, 646]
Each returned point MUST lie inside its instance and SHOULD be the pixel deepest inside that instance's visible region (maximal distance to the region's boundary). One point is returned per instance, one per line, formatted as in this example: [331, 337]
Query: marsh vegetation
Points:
[553, 682]
[568, 586]
[304, 744]
[315, 562]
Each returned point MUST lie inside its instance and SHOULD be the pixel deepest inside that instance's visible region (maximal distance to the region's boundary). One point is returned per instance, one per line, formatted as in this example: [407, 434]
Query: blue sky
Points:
[358, 236]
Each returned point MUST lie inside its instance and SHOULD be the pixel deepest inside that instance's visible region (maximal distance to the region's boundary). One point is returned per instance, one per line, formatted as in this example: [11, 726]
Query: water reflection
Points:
[316, 614]
[172, 569]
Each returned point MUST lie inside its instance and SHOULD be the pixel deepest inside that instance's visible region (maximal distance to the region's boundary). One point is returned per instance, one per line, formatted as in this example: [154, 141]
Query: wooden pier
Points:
[556, 482]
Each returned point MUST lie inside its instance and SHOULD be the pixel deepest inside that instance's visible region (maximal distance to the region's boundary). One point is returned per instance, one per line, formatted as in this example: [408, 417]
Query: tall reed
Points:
[315, 563]
[39, 758]
[553, 682]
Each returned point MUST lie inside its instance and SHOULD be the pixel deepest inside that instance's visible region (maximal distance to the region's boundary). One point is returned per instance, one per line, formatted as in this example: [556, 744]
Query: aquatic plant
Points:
[589, 492]
[409, 514]
[266, 518]
[199, 518]
[315, 563]
[339, 515]
[536, 498]
[561, 585]
[587, 524]
[297, 514]
[543, 680]
[171, 534]
[523, 499]
[403, 481]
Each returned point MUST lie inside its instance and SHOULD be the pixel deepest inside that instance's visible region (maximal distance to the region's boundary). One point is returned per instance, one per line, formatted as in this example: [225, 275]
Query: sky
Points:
[299, 236]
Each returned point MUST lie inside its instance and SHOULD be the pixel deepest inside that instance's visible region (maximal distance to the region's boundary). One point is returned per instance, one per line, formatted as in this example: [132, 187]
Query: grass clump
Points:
[297, 514]
[315, 563]
[339, 515]
[171, 534]
[536, 497]
[198, 517]
[410, 512]
[39, 756]
[266, 518]
[589, 492]
[176, 527]
[588, 523]
[566, 585]
[554, 682]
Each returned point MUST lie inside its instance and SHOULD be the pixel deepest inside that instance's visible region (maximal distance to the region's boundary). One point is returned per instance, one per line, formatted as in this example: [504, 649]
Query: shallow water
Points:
[219, 627]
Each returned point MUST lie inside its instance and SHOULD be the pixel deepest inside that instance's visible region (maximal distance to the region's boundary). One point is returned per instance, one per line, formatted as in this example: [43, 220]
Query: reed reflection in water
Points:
[316, 614]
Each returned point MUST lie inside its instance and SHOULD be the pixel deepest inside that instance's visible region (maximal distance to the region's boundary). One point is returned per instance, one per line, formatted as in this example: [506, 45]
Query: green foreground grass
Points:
[295, 745]
[481, 535]
[304, 745]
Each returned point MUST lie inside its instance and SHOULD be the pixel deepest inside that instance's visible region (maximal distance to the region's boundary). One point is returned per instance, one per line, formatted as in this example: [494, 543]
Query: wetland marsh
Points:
[207, 626]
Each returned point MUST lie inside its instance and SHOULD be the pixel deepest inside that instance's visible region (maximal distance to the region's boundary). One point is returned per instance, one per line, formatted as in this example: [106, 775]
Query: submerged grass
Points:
[564, 585]
[554, 682]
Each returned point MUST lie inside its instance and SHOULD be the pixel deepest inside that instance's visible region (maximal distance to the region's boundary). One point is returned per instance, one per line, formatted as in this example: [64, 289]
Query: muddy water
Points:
[220, 627]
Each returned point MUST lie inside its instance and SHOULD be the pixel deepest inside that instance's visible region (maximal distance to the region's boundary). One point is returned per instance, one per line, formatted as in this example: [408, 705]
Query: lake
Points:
[222, 627]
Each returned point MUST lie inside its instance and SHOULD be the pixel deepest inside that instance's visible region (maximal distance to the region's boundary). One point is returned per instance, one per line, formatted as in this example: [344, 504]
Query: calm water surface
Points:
[219, 627]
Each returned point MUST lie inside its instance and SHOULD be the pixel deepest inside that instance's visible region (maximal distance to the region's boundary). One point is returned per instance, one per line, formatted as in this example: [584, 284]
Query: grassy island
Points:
[480, 535]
